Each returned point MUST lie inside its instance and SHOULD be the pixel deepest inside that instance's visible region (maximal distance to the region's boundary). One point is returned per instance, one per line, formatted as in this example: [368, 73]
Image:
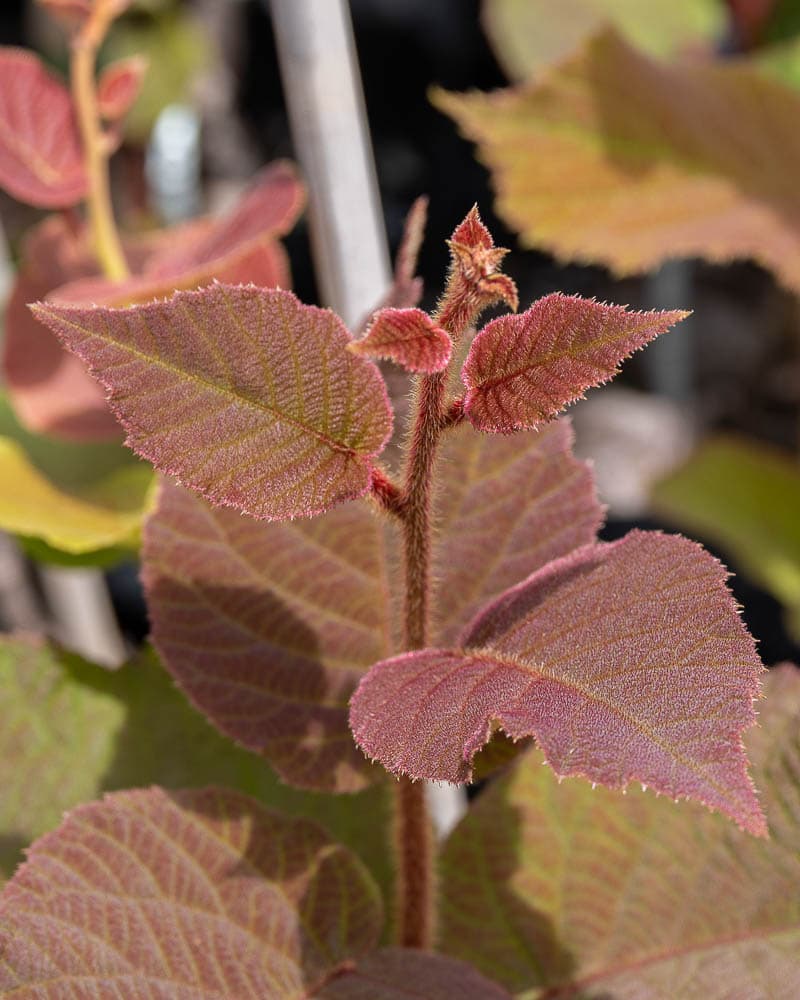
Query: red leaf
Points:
[119, 86]
[521, 370]
[268, 627]
[391, 973]
[625, 661]
[244, 393]
[507, 506]
[408, 337]
[181, 895]
[50, 389]
[41, 161]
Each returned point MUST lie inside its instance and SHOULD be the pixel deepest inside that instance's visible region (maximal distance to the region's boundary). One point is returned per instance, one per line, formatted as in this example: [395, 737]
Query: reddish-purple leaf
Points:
[156, 895]
[521, 370]
[506, 507]
[403, 974]
[243, 393]
[50, 388]
[41, 161]
[119, 86]
[408, 337]
[268, 627]
[625, 661]
[593, 894]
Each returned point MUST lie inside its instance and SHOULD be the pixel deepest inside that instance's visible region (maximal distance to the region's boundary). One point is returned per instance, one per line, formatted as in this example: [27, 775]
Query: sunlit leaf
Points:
[180, 895]
[522, 370]
[78, 498]
[118, 87]
[528, 35]
[409, 337]
[244, 393]
[72, 730]
[41, 161]
[506, 507]
[268, 627]
[744, 497]
[614, 159]
[598, 895]
[626, 661]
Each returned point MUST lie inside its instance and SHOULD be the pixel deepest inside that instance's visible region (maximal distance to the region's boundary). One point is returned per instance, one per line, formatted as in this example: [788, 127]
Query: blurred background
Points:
[701, 431]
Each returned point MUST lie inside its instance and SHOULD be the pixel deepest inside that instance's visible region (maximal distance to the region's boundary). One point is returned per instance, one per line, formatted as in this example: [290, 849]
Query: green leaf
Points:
[78, 499]
[745, 498]
[72, 730]
[565, 891]
[529, 34]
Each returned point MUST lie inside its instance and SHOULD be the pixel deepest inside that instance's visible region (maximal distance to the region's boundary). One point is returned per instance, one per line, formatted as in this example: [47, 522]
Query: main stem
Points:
[105, 237]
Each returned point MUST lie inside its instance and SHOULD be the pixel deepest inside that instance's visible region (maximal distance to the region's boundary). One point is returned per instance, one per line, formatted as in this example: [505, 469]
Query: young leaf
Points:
[507, 506]
[408, 337]
[268, 627]
[626, 661]
[244, 393]
[50, 387]
[119, 86]
[72, 730]
[41, 161]
[596, 894]
[528, 35]
[521, 370]
[615, 159]
[745, 497]
[389, 974]
[183, 895]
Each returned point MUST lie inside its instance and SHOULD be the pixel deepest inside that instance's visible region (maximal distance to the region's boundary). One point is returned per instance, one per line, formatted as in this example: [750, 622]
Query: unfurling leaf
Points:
[243, 393]
[41, 161]
[119, 86]
[268, 627]
[183, 895]
[506, 507]
[626, 661]
[615, 159]
[593, 894]
[521, 370]
[408, 337]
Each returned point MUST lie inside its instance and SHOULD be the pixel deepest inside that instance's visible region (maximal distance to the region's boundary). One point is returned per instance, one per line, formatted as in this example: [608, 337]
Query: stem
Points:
[105, 237]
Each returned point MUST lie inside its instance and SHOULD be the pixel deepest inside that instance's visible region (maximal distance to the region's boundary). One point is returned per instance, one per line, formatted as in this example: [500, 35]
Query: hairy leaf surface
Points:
[268, 627]
[745, 497]
[78, 498]
[179, 895]
[244, 393]
[522, 369]
[506, 507]
[625, 661]
[72, 730]
[614, 159]
[593, 894]
[528, 35]
[41, 161]
[408, 337]
[118, 87]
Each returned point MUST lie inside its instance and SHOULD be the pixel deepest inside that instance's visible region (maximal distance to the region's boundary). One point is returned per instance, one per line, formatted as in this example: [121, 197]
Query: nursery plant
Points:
[364, 612]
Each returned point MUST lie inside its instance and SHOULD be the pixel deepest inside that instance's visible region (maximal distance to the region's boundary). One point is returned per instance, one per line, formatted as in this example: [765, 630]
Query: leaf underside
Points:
[626, 661]
[615, 159]
[523, 369]
[40, 149]
[599, 895]
[408, 337]
[243, 393]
